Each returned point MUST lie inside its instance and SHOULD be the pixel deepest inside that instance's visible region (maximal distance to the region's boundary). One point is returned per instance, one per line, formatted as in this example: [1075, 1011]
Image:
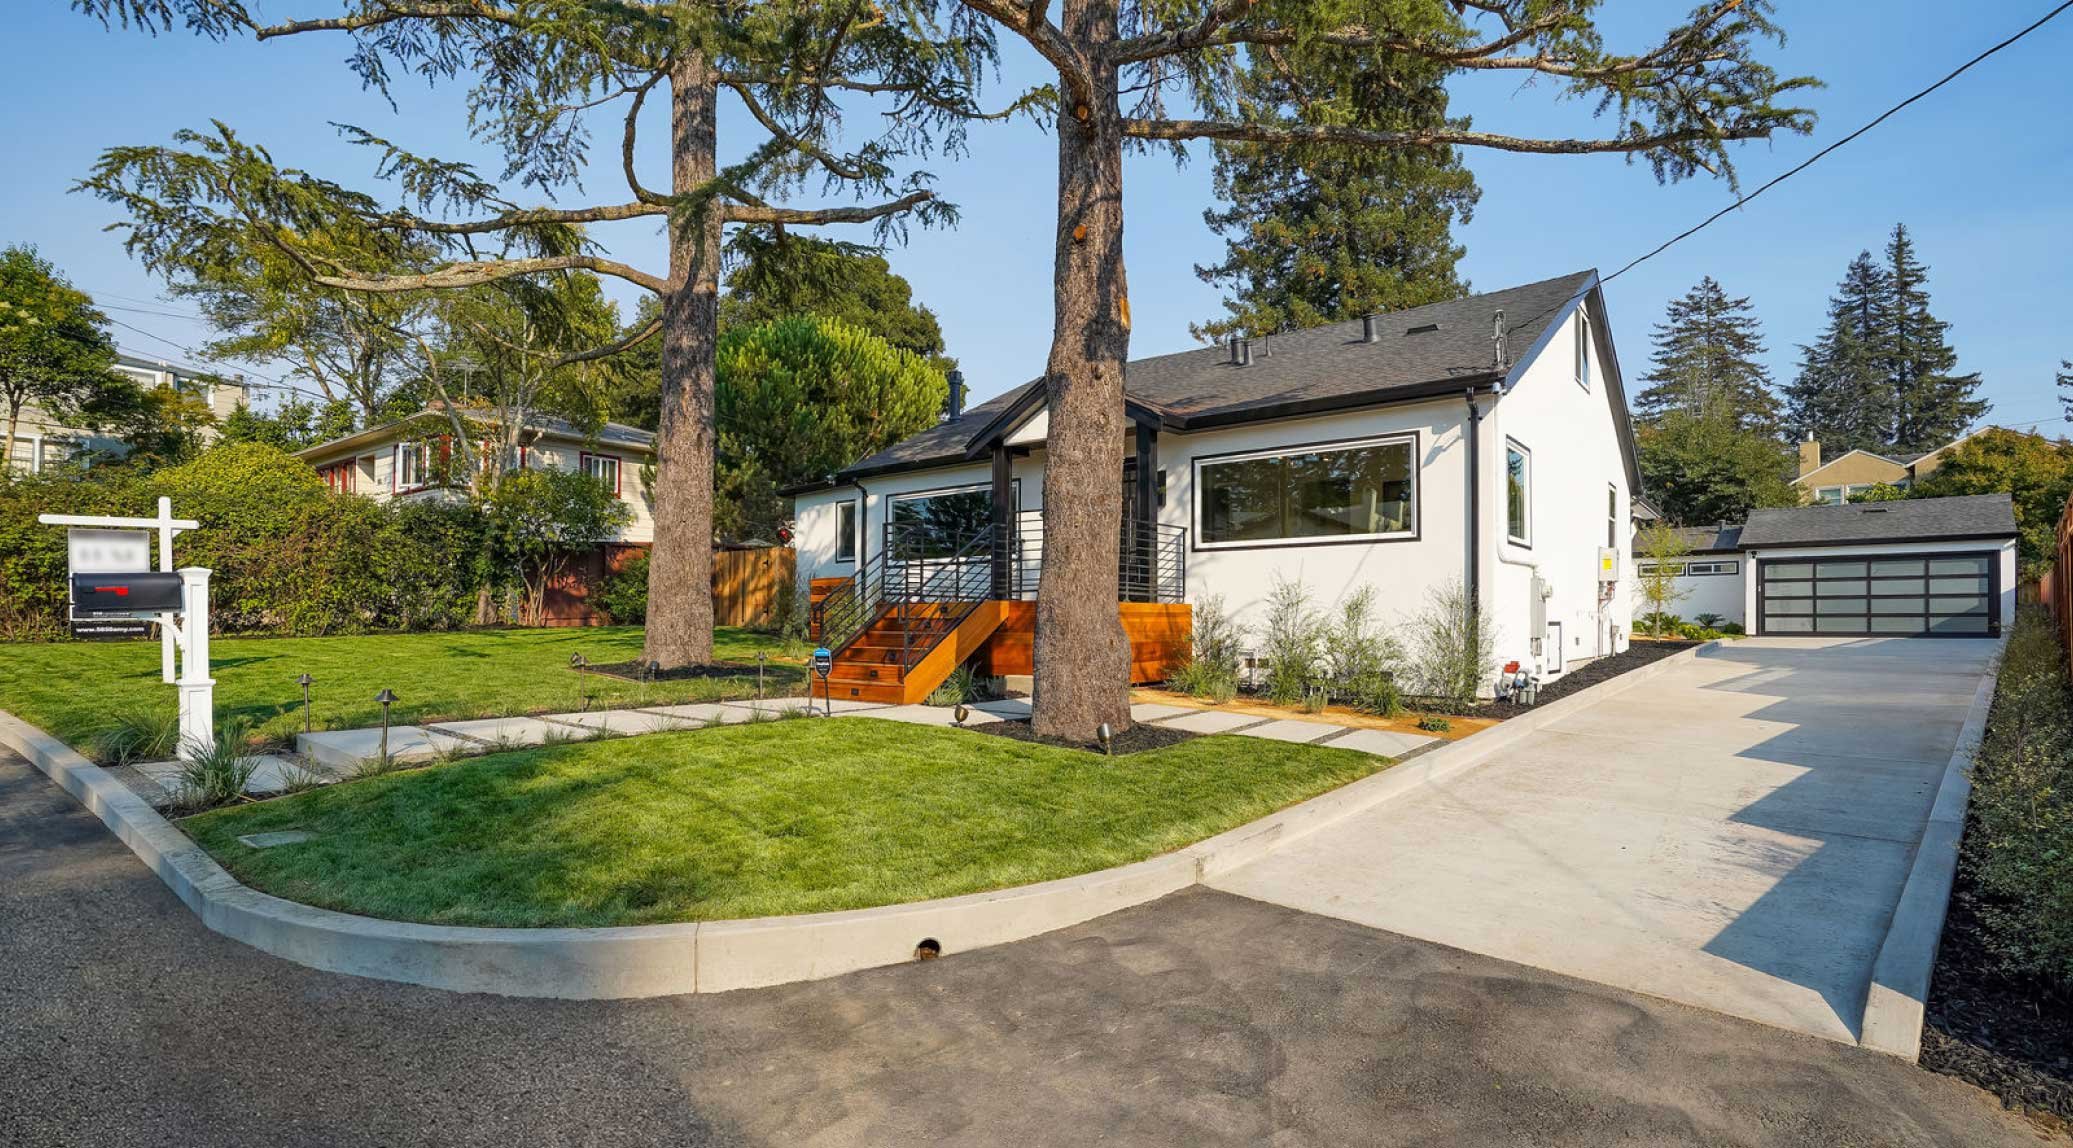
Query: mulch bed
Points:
[1136, 739]
[2011, 1036]
[635, 671]
[1636, 655]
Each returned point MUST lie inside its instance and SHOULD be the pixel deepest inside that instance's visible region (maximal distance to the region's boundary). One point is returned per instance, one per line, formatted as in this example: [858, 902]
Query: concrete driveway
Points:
[1732, 835]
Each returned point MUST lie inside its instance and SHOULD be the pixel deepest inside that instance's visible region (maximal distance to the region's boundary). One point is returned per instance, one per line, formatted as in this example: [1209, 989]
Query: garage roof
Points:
[1970, 516]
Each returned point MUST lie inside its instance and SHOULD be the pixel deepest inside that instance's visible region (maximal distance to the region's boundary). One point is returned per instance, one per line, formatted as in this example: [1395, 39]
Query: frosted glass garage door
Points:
[1903, 595]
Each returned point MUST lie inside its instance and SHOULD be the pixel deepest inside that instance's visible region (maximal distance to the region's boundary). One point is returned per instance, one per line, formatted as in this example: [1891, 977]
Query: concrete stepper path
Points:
[346, 750]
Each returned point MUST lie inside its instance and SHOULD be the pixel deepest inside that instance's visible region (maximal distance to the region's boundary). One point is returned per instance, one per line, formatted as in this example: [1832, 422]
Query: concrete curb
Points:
[715, 956]
[1896, 1000]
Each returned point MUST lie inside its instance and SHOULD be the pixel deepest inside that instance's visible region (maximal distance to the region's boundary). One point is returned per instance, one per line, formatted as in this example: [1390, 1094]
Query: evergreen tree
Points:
[2066, 386]
[1703, 469]
[1881, 377]
[1932, 404]
[1316, 234]
[780, 275]
[1707, 364]
[1842, 396]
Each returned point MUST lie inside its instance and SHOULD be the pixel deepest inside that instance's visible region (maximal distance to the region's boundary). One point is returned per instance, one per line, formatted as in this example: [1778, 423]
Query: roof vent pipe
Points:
[954, 401]
[1367, 329]
[1241, 352]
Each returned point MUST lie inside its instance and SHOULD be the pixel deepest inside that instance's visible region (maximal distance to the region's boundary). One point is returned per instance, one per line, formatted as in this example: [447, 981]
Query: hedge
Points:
[290, 556]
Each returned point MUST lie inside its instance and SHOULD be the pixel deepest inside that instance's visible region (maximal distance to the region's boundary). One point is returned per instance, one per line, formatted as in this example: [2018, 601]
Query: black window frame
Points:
[1992, 559]
[1199, 536]
[854, 535]
[1524, 539]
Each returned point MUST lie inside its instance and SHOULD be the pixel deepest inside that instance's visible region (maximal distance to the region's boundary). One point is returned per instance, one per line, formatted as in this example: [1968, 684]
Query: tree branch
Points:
[626, 145]
[520, 217]
[833, 163]
[605, 352]
[753, 213]
[1026, 19]
[390, 13]
[460, 275]
[1436, 137]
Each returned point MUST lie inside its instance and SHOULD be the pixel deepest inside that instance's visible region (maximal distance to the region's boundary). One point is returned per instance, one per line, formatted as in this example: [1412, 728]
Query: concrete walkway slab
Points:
[1732, 834]
[1010, 709]
[1291, 730]
[270, 775]
[1211, 721]
[625, 723]
[695, 714]
[1153, 711]
[1382, 742]
[345, 749]
[506, 731]
[922, 715]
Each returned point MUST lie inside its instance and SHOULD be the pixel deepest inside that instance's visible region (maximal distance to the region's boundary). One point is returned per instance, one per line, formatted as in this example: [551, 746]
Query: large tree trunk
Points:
[680, 564]
[1082, 657]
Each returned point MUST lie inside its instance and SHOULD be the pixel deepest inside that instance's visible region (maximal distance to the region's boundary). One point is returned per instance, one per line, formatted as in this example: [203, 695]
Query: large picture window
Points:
[936, 523]
[1518, 493]
[1338, 493]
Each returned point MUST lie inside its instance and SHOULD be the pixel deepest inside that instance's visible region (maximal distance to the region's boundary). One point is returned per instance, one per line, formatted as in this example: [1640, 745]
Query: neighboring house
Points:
[1709, 575]
[402, 459]
[41, 441]
[1483, 441]
[1919, 567]
[1832, 482]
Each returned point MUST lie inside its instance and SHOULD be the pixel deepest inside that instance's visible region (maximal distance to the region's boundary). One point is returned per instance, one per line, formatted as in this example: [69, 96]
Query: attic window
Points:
[1423, 329]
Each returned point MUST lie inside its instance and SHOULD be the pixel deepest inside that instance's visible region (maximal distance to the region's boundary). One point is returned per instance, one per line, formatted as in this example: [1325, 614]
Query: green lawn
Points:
[794, 816]
[72, 689]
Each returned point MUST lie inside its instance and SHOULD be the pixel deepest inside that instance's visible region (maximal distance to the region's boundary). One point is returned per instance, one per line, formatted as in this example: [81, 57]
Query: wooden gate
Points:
[750, 585]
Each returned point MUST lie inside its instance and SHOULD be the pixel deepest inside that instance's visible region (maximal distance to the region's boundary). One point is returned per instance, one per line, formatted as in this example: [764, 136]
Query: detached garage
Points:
[1918, 568]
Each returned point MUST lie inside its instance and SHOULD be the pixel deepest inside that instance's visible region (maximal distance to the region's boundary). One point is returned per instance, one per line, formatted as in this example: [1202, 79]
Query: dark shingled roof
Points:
[1299, 372]
[1704, 539]
[1904, 520]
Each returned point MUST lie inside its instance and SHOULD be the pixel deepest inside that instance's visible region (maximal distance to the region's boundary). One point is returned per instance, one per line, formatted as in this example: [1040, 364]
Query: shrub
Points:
[1453, 643]
[1361, 657]
[137, 735]
[1709, 621]
[960, 687]
[2019, 843]
[1434, 723]
[217, 775]
[1658, 624]
[1292, 641]
[1211, 671]
[1733, 629]
[624, 594]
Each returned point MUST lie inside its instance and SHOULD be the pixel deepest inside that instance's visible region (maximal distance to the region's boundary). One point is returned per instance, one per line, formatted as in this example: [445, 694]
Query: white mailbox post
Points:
[109, 547]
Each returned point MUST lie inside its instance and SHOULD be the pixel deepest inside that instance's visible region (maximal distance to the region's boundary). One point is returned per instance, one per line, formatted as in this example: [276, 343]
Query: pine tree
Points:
[2065, 378]
[1881, 377]
[1707, 364]
[1932, 405]
[1314, 235]
[1842, 396]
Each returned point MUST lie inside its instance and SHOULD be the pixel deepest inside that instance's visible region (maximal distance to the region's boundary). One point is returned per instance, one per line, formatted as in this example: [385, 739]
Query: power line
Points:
[1816, 157]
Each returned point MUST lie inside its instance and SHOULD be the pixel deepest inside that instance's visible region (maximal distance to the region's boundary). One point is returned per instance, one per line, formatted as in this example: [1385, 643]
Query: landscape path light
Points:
[304, 681]
[387, 698]
[581, 664]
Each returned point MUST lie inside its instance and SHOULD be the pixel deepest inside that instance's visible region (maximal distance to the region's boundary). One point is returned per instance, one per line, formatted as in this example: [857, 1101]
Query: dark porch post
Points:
[1140, 539]
[1147, 471]
[1004, 524]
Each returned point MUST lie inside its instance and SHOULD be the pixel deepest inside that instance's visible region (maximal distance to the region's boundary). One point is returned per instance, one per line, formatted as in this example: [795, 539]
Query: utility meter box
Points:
[1608, 564]
[124, 595]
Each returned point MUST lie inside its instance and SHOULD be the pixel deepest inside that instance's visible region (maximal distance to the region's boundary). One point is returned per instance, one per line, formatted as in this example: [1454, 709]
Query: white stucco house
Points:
[1914, 568]
[1482, 441]
[42, 440]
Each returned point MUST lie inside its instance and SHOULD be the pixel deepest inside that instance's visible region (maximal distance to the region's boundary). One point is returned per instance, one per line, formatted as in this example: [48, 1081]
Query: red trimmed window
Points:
[605, 468]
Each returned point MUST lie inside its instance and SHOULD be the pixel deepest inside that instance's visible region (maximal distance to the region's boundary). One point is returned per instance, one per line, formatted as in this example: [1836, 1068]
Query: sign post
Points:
[823, 664]
[110, 561]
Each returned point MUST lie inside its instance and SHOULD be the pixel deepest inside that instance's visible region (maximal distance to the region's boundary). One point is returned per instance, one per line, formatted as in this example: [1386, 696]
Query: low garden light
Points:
[304, 681]
[958, 714]
[387, 698]
[1107, 737]
[762, 656]
[581, 664]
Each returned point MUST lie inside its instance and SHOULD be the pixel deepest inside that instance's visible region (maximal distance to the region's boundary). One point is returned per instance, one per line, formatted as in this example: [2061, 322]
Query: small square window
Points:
[604, 468]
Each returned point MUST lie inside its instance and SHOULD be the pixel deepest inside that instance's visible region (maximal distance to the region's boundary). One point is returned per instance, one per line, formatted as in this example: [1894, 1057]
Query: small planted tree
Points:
[1454, 640]
[1362, 657]
[1292, 639]
[1211, 671]
[1660, 550]
[541, 519]
[54, 349]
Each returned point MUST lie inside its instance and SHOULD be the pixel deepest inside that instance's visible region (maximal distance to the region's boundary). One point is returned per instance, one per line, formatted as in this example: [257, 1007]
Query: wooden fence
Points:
[749, 586]
[2053, 589]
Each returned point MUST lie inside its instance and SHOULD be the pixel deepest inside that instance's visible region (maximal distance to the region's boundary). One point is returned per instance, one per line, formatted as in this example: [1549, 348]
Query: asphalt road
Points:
[1202, 1019]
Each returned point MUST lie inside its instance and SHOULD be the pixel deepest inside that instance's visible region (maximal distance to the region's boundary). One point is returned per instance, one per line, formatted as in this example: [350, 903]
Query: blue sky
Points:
[1982, 173]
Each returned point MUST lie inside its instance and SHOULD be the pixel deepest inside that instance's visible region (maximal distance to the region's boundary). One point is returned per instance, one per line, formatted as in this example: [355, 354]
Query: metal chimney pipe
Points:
[1367, 329]
[1243, 352]
[954, 402]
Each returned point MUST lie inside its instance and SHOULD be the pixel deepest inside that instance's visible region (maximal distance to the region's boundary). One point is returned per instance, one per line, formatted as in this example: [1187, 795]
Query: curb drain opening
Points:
[928, 950]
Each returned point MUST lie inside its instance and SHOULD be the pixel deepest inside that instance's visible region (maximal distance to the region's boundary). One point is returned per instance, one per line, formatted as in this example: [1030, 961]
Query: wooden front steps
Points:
[868, 668]
[1001, 635]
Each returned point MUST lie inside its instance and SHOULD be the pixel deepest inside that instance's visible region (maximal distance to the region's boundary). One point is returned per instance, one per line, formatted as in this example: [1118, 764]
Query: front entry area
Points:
[1881, 595]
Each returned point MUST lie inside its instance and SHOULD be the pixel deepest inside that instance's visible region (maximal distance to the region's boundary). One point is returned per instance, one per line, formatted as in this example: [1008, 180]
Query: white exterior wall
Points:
[1403, 572]
[2005, 572]
[1721, 594]
[1578, 474]
[814, 514]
